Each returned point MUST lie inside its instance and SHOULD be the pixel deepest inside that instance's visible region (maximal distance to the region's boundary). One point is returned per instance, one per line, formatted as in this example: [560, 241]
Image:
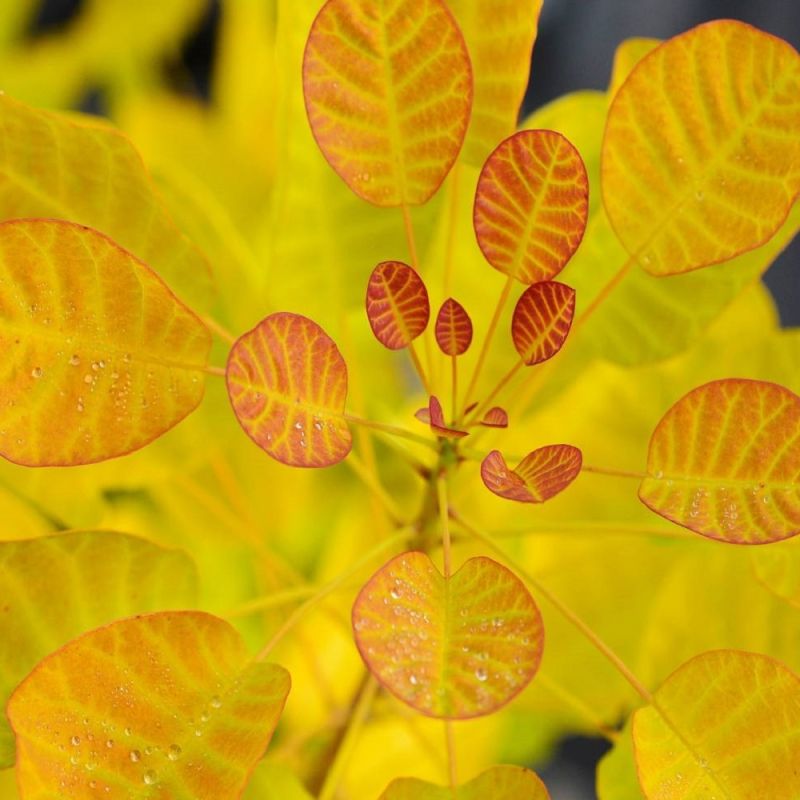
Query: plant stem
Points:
[392, 430]
[371, 481]
[577, 705]
[419, 368]
[451, 229]
[452, 762]
[444, 516]
[218, 372]
[618, 473]
[454, 385]
[484, 406]
[272, 601]
[220, 330]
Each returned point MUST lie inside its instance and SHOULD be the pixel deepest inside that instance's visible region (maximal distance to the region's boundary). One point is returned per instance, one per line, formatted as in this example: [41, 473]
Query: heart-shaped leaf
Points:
[100, 357]
[542, 474]
[433, 415]
[452, 647]
[495, 417]
[724, 461]
[166, 705]
[497, 783]
[727, 725]
[453, 328]
[388, 91]
[541, 321]
[706, 165]
[531, 205]
[397, 303]
[287, 383]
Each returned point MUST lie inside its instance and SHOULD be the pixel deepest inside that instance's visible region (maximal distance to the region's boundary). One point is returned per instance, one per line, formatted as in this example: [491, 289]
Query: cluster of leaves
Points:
[131, 674]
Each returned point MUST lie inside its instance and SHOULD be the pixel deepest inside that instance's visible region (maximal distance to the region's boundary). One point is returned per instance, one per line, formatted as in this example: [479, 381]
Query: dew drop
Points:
[88, 379]
[37, 372]
[174, 752]
[75, 741]
[74, 360]
[412, 679]
[395, 594]
[109, 743]
[136, 756]
[216, 702]
[149, 777]
[481, 674]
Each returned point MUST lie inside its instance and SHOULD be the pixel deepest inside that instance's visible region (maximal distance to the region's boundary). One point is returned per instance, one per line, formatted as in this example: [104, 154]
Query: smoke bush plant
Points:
[159, 585]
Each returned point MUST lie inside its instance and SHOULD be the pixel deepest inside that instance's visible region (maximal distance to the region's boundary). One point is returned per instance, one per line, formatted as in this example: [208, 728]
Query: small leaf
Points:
[703, 167]
[497, 783]
[434, 416]
[453, 328]
[627, 55]
[169, 701]
[496, 417]
[388, 91]
[531, 205]
[724, 461]
[733, 730]
[97, 343]
[453, 647]
[542, 474]
[397, 303]
[287, 383]
[541, 321]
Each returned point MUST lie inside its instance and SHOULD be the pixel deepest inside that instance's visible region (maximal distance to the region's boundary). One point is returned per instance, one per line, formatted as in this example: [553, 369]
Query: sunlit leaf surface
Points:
[542, 319]
[166, 705]
[94, 340]
[433, 415]
[542, 474]
[397, 304]
[287, 382]
[453, 328]
[495, 417]
[388, 90]
[706, 165]
[777, 568]
[724, 461]
[450, 647]
[733, 731]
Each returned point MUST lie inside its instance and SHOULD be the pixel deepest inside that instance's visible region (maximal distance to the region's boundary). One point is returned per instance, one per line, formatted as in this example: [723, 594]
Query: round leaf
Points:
[724, 461]
[706, 165]
[388, 91]
[496, 417]
[100, 357]
[287, 383]
[541, 321]
[453, 328]
[433, 415]
[398, 309]
[169, 701]
[497, 783]
[531, 205]
[452, 647]
[542, 474]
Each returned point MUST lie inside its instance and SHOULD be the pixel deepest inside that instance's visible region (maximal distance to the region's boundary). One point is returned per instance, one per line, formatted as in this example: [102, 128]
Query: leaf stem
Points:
[444, 517]
[454, 385]
[371, 481]
[452, 762]
[419, 368]
[220, 330]
[392, 430]
[218, 372]
[484, 406]
[618, 473]
[451, 229]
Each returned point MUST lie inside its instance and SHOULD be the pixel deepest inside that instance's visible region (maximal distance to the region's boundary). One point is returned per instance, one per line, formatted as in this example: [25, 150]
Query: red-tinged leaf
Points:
[542, 474]
[453, 647]
[496, 783]
[433, 415]
[724, 461]
[496, 417]
[453, 328]
[168, 705]
[531, 205]
[470, 408]
[388, 91]
[287, 383]
[541, 321]
[398, 309]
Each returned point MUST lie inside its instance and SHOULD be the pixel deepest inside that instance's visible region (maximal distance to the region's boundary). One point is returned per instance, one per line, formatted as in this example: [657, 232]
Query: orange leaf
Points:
[398, 309]
[541, 321]
[388, 91]
[542, 474]
[434, 416]
[497, 783]
[531, 205]
[706, 165]
[452, 647]
[287, 383]
[453, 328]
[496, 417]
[724, 461]
[100, 357]
[727, 725]
[169, 701]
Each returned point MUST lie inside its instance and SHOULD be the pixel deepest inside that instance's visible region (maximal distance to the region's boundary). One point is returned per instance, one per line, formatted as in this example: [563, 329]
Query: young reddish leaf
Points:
[287, 383]
[497, 783]
[542, 474]
[531, 205]
[397, 303]
[136, 576]
[388, 91]
[452, 647]
[496, 417]
[727, 725]
[100, 357]
[453, 328]
[700, 168]
[541, 321]
[170, 701]
[724, 461]
[433, 415]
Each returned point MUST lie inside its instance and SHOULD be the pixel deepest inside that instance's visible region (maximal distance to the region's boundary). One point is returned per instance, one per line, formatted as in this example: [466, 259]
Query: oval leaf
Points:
[542, 474]
[388, 91]
[287, 383]
[497, 783]
[496, 417]
[433, 415]
[453, 328]
[724, 461]
[453, 647]
[398, 309]
[100, 357]
[531, 205]
[170, 701]
[733, 730]
[541, 321]
[700, 168]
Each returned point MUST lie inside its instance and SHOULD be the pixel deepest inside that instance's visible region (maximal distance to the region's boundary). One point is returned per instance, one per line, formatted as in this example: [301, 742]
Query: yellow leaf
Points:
[616, 771]
[627, 55]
